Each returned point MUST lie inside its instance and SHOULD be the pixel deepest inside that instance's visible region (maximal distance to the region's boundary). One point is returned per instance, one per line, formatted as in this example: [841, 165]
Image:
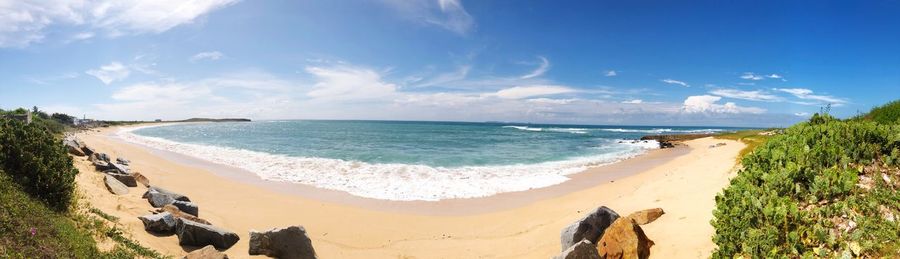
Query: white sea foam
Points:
[566, 130]
[664, 130]
[395, 181]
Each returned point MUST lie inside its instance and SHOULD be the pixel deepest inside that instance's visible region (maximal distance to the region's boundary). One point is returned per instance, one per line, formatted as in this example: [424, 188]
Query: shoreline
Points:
[587, 178]
[514, 226]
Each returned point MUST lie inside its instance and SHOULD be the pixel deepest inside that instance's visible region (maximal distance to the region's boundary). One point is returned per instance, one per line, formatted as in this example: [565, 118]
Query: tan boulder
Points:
[181, 214]
[624, 239]
[646, 216]
[141, 179]
[207, 252]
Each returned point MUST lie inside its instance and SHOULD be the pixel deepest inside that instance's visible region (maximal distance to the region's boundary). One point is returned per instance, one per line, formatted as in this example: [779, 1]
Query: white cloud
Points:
[775, 76]
[348, 83]
[521, 92]
[675, 82]
[24, 22]
[752, 76]
[807, 94]
[801, 114]
[209, 55]
[447, 14]
[746, 95]
[115, 71]
[610, 73]
[708, 104]
[540, 70]
[635, 101]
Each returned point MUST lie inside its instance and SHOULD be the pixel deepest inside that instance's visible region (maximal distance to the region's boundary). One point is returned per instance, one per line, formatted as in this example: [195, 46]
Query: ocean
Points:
[403, 160]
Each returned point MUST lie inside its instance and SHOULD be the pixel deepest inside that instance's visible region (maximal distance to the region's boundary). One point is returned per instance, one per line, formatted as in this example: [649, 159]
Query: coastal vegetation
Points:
[750, 138]
[822, 188]
[40, 214]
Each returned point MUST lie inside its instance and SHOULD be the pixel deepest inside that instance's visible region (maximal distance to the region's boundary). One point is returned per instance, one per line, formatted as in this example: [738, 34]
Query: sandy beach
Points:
[682, 181]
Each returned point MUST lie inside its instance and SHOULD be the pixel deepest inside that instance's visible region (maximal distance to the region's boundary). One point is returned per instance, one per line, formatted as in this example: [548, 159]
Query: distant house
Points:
[20, 117]
[83, 122]
[158, 120]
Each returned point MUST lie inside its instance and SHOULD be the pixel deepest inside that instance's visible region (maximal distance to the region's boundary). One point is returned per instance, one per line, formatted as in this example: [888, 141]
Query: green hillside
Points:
[886, 114]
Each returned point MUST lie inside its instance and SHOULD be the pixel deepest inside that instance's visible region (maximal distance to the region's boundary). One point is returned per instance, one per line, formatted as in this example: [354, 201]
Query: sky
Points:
[710, 63]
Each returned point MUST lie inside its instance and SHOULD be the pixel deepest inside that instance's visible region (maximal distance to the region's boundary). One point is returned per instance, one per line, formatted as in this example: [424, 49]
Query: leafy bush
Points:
[885, 114]
[36, 160]
[797, 195]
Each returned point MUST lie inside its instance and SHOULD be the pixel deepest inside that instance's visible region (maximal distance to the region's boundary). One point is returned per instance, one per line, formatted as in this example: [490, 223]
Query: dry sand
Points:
[683, 182]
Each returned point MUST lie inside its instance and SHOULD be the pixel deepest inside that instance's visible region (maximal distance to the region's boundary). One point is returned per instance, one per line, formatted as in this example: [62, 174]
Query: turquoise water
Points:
[407, 160]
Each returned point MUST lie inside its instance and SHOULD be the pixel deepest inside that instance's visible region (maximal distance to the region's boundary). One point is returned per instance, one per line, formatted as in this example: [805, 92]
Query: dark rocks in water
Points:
[207, 252]
[125, 178]
[666, 144]
[122, 161]
[589, 228]
[581, 250]
[114, 186]
[197, 234]
[187, 207]
[285, 243]
[161, 223]
[624, 239]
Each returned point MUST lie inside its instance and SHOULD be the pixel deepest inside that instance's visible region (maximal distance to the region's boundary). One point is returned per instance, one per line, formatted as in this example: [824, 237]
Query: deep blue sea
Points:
[402, 160]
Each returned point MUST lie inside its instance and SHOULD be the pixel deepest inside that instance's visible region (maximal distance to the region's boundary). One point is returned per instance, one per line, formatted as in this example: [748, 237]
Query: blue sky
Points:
[740, 63]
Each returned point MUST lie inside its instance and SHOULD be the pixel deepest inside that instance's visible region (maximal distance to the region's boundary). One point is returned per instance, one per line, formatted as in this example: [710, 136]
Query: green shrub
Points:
[796, 190]
[36, 160]
[885, 114]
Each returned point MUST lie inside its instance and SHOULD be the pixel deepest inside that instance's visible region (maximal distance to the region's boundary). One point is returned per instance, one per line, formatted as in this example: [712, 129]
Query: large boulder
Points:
[141, 179]
[207, 252]
[187, 207]
[120, 167]
[125, 178]
[103, 157]
[286, 243]
[624, 239]
[162, 223]
[73, 147]
[197, 234]
[181, 215]
[159, 197]
[589, 228]
[646, 216]
[581, 250]
[101, 165]
[87, 150]
[122, 161]
[114, 186]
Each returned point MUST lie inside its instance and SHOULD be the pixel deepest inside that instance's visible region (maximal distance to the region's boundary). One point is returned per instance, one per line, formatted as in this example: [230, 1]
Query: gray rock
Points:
[589, 228]
[157, 200]
[198, 234]
[286, 243]
[162, 223]
[101, 165]
[207, 252]
[125, 178]
[114, 186]
[187, 207]
[120, 167]
[73, 147]
[103, 157]
[581, 250]
[122, 161]
[87, 150]
[176, 196]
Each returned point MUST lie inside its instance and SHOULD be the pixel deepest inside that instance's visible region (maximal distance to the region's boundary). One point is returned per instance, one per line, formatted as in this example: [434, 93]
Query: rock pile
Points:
[603, 234]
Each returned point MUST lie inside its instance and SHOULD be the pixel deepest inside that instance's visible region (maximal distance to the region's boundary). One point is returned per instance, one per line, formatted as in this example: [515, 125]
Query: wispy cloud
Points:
[756, 95]
[635, 101]
[348, 83]
[610, 73]
[108, 74]
[521, 92]
[542, 68]
[446, 14]
[807, 94]
[752, 76]
[709, 104]
[208, 55]
[675, 82]
[26, 22]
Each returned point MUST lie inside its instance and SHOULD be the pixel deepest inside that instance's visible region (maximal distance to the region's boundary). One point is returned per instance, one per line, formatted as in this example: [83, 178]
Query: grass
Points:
[751, 138]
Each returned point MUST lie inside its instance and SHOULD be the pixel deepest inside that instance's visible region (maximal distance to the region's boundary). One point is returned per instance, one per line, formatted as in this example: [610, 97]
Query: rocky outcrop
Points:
[207, 252]
[114, 186]
[197, 234]
[589, 228]
[120, 167]
[125, 178]
[122, 161]
[286, 243]
[73, 147]
[141, 179]
[159, 197]
[581, 250]
[162, 223]
[181, 215]
[646, 216]
[624, 239]
[187, 207]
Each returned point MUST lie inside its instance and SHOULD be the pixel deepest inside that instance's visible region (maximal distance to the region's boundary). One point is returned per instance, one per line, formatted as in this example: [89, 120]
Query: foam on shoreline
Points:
[402, 182]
